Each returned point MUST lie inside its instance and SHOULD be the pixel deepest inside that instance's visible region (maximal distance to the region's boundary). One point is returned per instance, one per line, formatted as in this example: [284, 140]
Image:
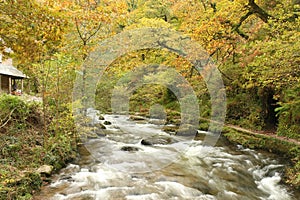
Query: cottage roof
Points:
[11, 71]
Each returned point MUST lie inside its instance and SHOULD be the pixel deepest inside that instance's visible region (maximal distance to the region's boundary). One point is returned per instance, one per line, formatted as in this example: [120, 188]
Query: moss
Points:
[203, 126]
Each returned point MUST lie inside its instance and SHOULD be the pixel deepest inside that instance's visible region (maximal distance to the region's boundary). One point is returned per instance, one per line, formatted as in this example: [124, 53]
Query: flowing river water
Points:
[119, 166]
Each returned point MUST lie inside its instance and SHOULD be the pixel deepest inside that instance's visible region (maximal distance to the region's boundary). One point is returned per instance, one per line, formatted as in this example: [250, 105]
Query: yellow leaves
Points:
[231, 10]
[34, 30]
[8, 181]
[146, 22]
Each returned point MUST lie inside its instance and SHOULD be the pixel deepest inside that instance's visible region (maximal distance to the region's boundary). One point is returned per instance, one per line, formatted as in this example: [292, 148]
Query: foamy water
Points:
[181, 170]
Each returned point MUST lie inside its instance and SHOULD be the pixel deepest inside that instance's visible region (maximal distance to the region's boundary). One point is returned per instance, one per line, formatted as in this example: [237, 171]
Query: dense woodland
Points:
[254, 43]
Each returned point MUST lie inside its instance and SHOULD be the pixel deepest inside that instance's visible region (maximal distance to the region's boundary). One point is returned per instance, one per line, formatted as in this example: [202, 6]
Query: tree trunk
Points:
[254, 8]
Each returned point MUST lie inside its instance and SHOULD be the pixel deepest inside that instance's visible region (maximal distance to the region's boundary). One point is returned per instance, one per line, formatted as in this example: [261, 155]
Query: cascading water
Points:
[119, 166]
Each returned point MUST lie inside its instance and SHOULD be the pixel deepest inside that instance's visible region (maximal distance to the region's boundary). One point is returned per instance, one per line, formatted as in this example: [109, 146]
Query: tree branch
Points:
[254, 8]
[225, 75]
[203, 4]
[243, 18]
[164, 45]
[9, 118]
[91, 35]
[79, 33]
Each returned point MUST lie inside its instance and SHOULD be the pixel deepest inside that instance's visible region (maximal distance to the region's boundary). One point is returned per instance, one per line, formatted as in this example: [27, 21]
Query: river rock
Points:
[137, 118]
[100, 133]
[101, 117]
[163, 140]
[107, 123]
[129, 148]
[157, 121]
[146, 142]
[67, 178]
[187, 130]
[170, 129]
[174, 121]
[45, 169]
[92, 135]
[100, 126]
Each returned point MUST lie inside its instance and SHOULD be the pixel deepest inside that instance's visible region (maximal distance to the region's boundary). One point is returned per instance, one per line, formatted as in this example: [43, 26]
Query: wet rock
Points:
[45, 169]
[100, 133]
[157, 121]
[187, 130]
[137, 118]
[174, 121]
[129, 148]
[67, 178]
[170, 129]
[101, 117]
[146, 142]
[70, 169]
[107, 123]
[83, 151]
[100, 126]
[163, 140]
[92, 136]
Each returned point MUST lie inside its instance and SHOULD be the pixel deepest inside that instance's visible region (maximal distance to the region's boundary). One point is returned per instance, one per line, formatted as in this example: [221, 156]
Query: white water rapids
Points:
[178, 170]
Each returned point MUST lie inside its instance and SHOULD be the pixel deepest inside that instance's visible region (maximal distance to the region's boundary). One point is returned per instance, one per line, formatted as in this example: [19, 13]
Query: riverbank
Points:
[33, 145]
[27, 148]
[286, 148]
[179, 169]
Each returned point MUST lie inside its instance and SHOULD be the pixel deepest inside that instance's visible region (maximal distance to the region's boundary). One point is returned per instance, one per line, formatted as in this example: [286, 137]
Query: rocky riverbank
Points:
[286, 148]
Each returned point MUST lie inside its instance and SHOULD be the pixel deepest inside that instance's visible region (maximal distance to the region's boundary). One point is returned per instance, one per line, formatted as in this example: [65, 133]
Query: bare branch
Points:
[95, 32]
[79, 33]
[8, 117]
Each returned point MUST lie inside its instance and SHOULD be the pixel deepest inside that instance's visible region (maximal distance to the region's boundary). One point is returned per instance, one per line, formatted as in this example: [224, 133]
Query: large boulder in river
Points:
[162, 140]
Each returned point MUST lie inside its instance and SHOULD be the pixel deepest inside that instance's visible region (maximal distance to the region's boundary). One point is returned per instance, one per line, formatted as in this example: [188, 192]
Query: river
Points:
[119, 166]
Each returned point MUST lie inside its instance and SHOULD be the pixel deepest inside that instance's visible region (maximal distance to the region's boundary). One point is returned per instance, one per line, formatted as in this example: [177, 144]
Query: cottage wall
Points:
[4, 80]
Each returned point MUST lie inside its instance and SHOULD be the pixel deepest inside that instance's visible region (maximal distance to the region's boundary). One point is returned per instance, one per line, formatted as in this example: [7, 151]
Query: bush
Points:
[30, 131]
[289, 114]
[12, 109]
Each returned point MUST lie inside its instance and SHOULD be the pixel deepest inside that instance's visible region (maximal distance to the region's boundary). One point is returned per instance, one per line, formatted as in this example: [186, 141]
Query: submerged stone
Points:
[129, 148]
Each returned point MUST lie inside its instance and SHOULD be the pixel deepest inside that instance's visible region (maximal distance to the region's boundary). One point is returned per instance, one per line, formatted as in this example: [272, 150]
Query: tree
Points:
[30, 30]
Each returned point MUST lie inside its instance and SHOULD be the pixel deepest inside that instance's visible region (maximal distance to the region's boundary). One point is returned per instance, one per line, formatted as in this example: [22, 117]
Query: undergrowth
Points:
[31, 136]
